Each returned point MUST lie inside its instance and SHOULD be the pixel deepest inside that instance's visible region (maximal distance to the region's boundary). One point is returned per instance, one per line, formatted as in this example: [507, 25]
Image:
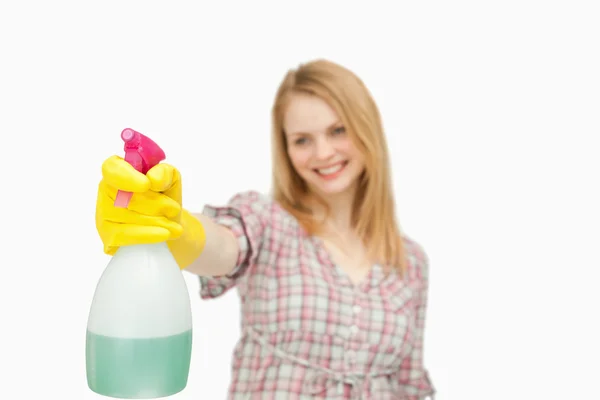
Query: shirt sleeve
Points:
[414, 377]
[246, 215]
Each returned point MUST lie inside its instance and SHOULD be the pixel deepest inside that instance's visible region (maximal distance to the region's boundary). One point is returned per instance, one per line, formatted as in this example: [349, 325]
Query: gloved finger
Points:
[147, 203]
[118, 173]
[115, 235]
[162, 177]
[127, 217]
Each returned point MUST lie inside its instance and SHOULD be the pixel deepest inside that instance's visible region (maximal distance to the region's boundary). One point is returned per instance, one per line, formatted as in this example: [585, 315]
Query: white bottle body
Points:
[139, 333]
[142, 293]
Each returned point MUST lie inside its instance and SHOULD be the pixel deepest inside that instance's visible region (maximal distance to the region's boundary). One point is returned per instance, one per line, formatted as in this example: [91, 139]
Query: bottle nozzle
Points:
[142, 153]
[128, 135]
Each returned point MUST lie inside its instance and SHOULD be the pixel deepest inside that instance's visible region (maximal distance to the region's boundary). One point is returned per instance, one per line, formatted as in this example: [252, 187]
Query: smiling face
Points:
[319, 147]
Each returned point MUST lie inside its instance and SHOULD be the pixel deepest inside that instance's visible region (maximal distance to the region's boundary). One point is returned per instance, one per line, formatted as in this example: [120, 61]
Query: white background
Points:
[492, 115]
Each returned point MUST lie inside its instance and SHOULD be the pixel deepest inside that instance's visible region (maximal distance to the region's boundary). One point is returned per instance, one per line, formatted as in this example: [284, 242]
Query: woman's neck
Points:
[339, 218]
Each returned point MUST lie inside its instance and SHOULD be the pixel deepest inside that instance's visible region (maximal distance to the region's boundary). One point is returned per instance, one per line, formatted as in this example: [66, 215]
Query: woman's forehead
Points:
[308, 114]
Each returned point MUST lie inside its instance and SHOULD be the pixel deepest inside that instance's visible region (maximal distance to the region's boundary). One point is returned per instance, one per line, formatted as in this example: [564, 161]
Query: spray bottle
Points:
[139, 332]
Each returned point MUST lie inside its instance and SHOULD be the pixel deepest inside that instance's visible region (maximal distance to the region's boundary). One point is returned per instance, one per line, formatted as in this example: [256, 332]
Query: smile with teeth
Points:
[332, 170]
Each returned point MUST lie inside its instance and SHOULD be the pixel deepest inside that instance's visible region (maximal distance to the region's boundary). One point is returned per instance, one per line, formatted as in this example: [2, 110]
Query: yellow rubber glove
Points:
[154, 213]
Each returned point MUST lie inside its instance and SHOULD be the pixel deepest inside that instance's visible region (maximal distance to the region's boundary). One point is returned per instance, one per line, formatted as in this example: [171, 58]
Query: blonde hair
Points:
[373, 211]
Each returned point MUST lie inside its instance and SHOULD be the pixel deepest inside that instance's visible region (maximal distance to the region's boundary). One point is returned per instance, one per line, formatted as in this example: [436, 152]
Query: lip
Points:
[335, 175]
[331, 165]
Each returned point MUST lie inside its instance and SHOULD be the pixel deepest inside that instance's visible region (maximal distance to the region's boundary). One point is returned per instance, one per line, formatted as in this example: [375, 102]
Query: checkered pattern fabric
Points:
[307, 331]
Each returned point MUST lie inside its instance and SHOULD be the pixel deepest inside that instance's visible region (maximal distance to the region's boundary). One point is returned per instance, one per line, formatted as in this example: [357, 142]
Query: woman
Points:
[333, 295]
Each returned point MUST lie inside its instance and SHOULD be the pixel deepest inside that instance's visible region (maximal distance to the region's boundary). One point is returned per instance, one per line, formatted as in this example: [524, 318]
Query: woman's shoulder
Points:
[418, 261]
[258, 201]
[243, 203]
[262, 204]
[250, 196]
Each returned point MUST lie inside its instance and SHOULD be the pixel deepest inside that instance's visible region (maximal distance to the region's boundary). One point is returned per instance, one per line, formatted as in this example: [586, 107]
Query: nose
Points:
[324, 149]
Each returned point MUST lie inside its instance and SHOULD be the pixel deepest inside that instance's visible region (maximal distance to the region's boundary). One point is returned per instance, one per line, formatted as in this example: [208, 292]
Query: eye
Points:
[339, 130]
[300, 141]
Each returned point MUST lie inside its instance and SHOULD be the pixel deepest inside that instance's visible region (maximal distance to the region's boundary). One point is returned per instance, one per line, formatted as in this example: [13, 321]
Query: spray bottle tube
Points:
[139, 333]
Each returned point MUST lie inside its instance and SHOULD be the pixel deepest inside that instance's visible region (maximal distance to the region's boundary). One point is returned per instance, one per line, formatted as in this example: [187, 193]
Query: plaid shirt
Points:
[307, 331]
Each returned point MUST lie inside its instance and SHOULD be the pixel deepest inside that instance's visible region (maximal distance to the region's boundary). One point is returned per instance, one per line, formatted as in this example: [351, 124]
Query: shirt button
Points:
[356, 309]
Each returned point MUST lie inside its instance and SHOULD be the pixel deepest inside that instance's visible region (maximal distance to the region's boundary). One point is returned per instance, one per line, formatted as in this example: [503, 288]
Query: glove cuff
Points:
[190, 244]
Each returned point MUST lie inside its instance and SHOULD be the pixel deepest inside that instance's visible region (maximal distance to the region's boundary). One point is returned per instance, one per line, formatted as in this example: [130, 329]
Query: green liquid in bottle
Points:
[130, 368]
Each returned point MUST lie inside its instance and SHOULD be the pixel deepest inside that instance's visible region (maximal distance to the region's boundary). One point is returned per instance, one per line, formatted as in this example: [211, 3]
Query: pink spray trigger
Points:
[142, 153]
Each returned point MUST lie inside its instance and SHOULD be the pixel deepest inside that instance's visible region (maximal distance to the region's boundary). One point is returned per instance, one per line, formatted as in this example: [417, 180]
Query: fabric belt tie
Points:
[320, 378]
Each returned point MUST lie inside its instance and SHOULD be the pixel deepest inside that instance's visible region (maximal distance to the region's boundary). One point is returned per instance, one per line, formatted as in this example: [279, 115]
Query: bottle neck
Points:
[154, 247]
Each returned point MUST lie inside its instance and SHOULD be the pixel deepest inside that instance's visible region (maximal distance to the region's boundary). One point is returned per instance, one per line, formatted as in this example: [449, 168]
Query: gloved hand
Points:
[154, 213]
